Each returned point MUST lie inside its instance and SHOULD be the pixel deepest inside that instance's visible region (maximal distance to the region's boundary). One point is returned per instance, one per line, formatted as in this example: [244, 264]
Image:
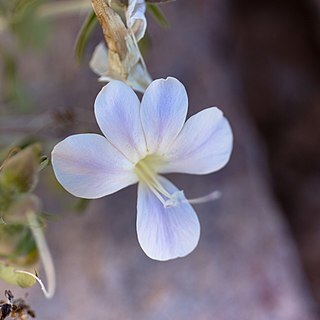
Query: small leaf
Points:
[9, 274]
[158, 15]
[84, 34]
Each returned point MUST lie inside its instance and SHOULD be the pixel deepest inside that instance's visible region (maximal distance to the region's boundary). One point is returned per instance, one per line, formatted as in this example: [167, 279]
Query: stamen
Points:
[214, 195]
[143, 168]
[150, 179]
[158, 195]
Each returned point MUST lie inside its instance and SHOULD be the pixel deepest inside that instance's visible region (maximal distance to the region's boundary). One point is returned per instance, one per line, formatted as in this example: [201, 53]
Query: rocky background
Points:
[258, 257]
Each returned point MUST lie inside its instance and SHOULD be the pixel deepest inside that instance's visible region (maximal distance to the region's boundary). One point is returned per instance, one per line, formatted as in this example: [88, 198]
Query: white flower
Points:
[140, 142]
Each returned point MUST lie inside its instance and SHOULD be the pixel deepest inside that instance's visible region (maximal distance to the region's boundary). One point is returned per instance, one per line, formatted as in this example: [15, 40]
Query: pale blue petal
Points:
[88, 166]
[165, 233]
[117, 112]
[203, 146]
[99, 60]
[164, 109]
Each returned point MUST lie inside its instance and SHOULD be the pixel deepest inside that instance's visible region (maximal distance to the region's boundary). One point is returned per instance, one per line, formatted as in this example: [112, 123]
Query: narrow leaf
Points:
[84, 34]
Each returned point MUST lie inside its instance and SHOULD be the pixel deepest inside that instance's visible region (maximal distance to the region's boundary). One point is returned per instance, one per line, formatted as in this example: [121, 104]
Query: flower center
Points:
[146, 169]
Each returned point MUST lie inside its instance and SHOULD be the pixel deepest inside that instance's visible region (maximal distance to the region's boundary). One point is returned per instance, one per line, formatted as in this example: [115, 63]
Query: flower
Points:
[123, 61]
[140, 142]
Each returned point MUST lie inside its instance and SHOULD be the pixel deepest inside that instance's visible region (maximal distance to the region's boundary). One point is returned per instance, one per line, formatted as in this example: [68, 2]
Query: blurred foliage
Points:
[18, 177]
[12, 88]
[158, 15]
[19, 18]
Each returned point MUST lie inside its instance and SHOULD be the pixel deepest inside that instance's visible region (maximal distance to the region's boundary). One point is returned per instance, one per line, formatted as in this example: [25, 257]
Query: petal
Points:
[88, 166]
[99, 60]
[165, 233]
[136, 19]
[139, 78]
[164, 109]
[117, 113]
[203, 146]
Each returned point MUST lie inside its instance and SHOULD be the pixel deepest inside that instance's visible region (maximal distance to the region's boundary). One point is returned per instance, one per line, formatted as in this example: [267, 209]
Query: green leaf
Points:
[158, 15]
[9, 274]
[84, 34]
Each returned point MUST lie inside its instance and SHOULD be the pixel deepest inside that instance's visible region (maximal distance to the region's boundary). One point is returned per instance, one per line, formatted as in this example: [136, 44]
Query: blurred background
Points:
[258, 256]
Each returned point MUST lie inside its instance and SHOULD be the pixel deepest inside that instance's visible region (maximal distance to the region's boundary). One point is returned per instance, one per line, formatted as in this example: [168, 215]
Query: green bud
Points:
[9, 274]
[19, 174]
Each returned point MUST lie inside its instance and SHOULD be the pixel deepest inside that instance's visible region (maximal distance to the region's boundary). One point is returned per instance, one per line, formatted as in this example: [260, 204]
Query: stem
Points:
[45, 257]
